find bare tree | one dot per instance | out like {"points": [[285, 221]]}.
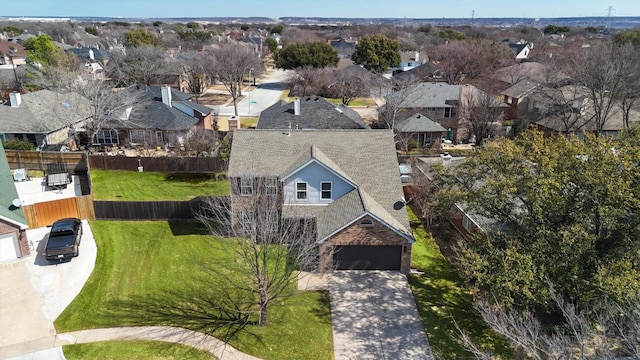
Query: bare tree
{"points": [[346, 86], [400, 93], [463, 61], [566, 105], [609, 332], [306, 81], [268, 246], [630, 92], [136, 65], [480, 111], [602, 69], [201, 141], [192, 65], [229, 65]]}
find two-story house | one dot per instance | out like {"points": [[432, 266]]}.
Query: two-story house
{"points": [[347, 181], [438, 101]]}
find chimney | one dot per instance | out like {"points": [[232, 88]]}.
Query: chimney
{"points": [[417, 56], [15, 99], [234, 122], [446, 159], [296, 107], [91, 56], [166, 95]]}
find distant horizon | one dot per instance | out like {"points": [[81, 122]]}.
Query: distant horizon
{"points": [[339, 9], [304, 17]]}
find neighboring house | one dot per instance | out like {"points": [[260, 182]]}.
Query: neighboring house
{"points": [[515, 94], [343, 47], [13, 224], [164, 116], [467, 222], [427, 72], [347, 180], [410, 60], [310, 112], [520, 49], [82, 39], [94, 60], [439, 101], [43, 117], [418, 131], [582, 122], [12, 53]]}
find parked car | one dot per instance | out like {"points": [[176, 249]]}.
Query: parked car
{"points": [[64, 239]]}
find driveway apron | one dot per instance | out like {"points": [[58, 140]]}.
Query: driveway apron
{"points": [[374, 316]]}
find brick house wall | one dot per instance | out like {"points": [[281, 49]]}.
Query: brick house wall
{"points": [[356, 234], [23, 242], [456, 218]]}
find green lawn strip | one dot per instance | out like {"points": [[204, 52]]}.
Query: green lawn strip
{"points": [[139, 350], [152, 186], [145, 268], [358, 102], [443, 300], [248, 122]]}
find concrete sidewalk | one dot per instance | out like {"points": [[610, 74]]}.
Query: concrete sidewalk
{"points": [[48, 346]]}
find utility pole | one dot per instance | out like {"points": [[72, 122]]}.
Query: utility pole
{"points": [[473, 15]]}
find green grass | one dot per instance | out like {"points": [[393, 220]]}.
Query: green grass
{"points": [[248, 122], [356, 102], [443, 301], [145, 269], [150, 186], [139, 350]]}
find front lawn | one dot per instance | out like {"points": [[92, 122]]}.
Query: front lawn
{"points": [[152, 186], [443, 301], [139, 350], [357, 102], [147, 271]]}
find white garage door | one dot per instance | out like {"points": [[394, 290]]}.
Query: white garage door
{"points": [[8, 247]]}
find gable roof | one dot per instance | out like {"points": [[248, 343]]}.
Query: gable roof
{"points": [[11, 48], [521, 89], [365, 157], [43, 111], [8, 194], [429, 94], [315, 113], [152, 113], [419, 123]]}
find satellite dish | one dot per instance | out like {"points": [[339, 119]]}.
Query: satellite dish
{"points": [[398, 205], [17, 203]]}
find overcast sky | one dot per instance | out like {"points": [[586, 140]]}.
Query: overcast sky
{"points": [[321, 8]]}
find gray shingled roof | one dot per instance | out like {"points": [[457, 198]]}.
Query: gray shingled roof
{"points": [[42, 112], [315, 113], [152, 113], [418, 123], [427, 94], [521, 89], [365, 157], [8, 193]]}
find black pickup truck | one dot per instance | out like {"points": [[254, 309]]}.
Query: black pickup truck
{"points": [[64, 239]]}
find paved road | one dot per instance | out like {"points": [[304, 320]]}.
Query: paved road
{"points": [[266, 94], [374, 316]]}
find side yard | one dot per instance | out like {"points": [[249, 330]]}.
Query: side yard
{"points": [[443, 301]]}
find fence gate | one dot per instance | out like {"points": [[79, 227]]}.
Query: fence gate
{"points": [[46, 213]]}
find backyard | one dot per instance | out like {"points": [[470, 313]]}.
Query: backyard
{"points": [[152, 186], [152, 273]]}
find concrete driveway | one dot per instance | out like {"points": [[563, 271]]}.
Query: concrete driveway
{"points": [[35, 291], [374, 316], [267, 93]]}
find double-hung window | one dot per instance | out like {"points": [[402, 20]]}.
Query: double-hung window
{"points": [[246, 186], [449, 112], [325, 190], [301, 191], [271, 186]]}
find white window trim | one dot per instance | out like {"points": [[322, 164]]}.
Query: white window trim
{"points": [[330, 190], [305, 191], [271, 186], [109, 132], [467, 224], [246, 189]]}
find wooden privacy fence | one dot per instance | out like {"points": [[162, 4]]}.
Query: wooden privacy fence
{"points": [[46, 213], [76, 162], [159, 164], [149, 210]]}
